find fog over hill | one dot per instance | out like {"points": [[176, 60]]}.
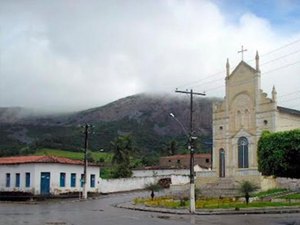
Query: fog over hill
{"points": [[145, 116]]}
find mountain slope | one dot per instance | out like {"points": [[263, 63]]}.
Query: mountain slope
{"points": [[144, 116]]}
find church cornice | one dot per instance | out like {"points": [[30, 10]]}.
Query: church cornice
{"points": [[288, 111]]}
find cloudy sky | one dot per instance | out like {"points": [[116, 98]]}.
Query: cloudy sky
{"points": [[76, 54]]}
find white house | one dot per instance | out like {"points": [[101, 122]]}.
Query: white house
{"points": [[44, 175]]}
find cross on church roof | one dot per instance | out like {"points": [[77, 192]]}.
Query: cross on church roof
{"points": [[242, 51]]}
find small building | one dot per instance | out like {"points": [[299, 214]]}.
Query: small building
{"points": [[183, 161], [46, 175]]}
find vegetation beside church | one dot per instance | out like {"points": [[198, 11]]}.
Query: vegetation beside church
{"points": [[279, 154]]}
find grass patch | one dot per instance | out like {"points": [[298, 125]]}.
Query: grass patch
{"points": [[164, 202], [225, 203], [270, 192], [97, 156], [292, 196], [250, 205]]}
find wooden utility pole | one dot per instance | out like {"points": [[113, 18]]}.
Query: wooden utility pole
{"points": [[191, 149], [84, 189]]}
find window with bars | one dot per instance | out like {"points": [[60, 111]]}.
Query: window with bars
{"points": [[62, 180], [73, 179], [243, 153], [27, 179]]}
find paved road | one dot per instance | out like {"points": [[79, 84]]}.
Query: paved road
{"points": [[101, 211]]}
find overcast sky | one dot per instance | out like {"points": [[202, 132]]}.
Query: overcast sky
{"points": [[72, 55]]}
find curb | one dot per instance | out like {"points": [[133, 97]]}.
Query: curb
{"points": [[269, 210]]}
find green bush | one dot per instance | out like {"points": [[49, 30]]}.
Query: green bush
{"points": [[279, 154]]}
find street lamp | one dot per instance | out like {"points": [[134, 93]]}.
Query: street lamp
{"points": [[192, 175]]}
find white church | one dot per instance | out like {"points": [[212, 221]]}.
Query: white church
{"points": [[240, 119]]}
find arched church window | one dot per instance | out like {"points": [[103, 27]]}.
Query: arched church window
{"points": [[243, 158], [221, 162]]}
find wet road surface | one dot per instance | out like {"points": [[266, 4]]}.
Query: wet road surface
{"points": [[101, 211]]}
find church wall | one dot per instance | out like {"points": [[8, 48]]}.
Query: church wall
{"points": [[245, 112], [199, 182], [266, 121], [287, 122]]}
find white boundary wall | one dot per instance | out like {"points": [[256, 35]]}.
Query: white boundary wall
{"points": [[155, 172], [136, 183]]}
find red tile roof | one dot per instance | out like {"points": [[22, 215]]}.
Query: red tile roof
{"points": [[38, 159], [204, 155]]}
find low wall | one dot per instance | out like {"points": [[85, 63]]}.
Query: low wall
{"points": [[179, 180], [280, 182], [206, 173], [136, 183], [289, 183], [161, 172]]}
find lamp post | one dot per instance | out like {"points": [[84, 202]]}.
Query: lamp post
{"points": [[191, 150]]}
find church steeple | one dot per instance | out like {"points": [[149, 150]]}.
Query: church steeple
{"points": [[274, 94], [257, 61], [227, 68]]}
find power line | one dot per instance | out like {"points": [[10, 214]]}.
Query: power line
{"points": [[284, 46], [287, 94], [246, 81], [265, 54], [273, 60], [285, 66], [292, 99], [198, 81]]}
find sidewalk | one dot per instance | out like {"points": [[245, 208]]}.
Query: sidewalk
{"points": [[267, 210]]}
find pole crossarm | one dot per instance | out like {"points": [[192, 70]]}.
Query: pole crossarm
{"points": [[189, 92]]}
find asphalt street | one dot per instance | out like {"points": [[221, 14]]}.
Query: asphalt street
{"points": [[101, 211]]}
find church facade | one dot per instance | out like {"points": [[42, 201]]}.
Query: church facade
{"points": [[240, 119]]}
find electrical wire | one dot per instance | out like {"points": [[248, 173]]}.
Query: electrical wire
{"points": [[265, 54]]}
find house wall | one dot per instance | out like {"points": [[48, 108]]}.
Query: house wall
{"points": [[181, 162], [35, 170]]}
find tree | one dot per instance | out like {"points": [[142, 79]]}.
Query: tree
{"points": [[153, 187], [122, 149], [279, 154], [89, 157], [246, 188], [173, 147], [169, 148]]}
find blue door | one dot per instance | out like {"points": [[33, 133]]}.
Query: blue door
{"points": [[45, 183]]}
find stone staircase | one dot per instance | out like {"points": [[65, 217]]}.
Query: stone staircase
{"points": [[224, 187]]}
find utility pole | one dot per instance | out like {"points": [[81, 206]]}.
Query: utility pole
{"points": [[84, 189], [191, 149]]}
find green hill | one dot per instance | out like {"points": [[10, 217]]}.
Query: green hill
{"points": [[145, 117]]}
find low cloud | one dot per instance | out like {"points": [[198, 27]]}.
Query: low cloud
{"points": [[69, 55]]}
